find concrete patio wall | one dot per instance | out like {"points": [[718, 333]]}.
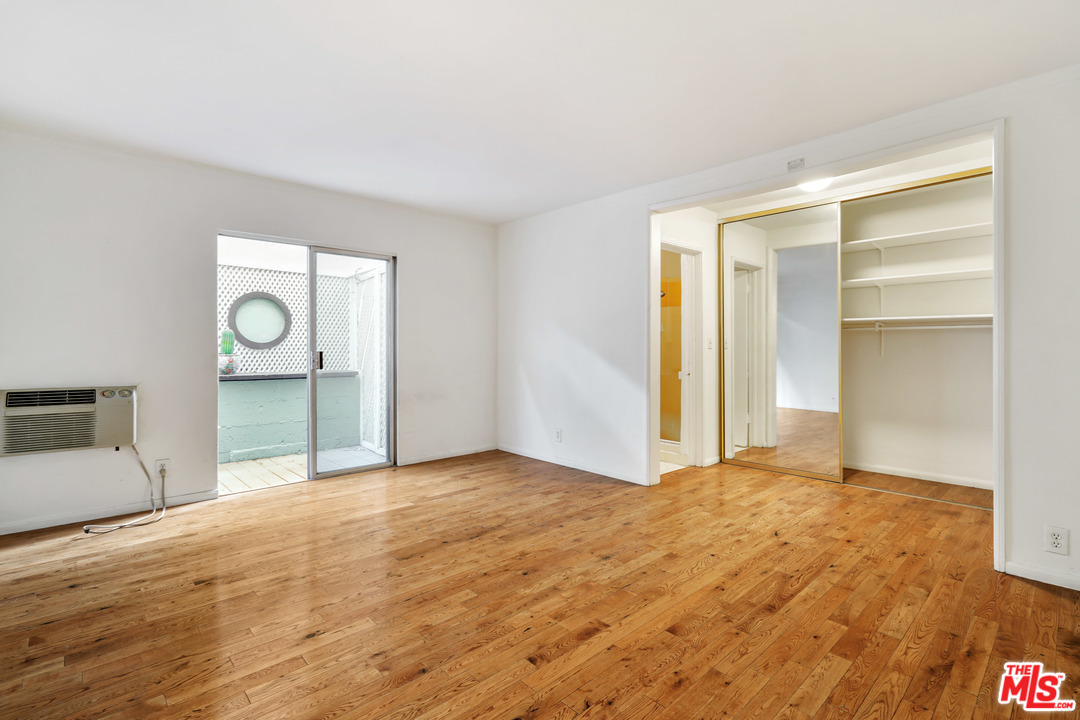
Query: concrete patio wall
{"points": [[267, 418]]}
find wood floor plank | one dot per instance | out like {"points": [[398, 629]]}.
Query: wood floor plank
{"points": [[496, 586], [811, 695]]}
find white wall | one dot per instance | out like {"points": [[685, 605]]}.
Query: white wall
{"points": [[575, 320], [107, 275], [572, 341], [807, 337], [923, 408]]}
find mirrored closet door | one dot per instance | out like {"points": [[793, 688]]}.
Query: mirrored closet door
{"points": [[781, 332]]}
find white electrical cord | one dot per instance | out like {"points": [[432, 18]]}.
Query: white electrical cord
{"points": [[102, 529]]}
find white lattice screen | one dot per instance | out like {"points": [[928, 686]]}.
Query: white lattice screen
{"points": [[337, 298]]}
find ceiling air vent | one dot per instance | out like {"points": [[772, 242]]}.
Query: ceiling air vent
{"points": [[52, 419]]}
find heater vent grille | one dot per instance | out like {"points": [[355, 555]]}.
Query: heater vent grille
{"points": [[45, 433], [47, 398]]}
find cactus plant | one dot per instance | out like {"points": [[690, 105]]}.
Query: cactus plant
{"points": [[227, 342]]}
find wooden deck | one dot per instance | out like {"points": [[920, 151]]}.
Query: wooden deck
{"points": [[257, 474], [497, 587], [285, 469]]}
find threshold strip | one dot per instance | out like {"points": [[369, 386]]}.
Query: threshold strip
{"points": [[918, 497]]}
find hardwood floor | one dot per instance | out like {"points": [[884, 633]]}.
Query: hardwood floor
{"points": [[495, 586], [805, 440], [808, 440], [977, 497]]}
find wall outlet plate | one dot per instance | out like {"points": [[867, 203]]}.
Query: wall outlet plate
{"points": [[162, 463], [1056, 540], [558, 434]]}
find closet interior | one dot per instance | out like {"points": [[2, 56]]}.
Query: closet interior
{"points": [[858, 332], [917, 293]]}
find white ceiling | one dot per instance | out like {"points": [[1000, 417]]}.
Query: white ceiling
{"points": [[499, 109]]}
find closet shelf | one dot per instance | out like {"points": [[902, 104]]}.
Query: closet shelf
{"points": [[918, 238], [918, 321], [944, 276]]}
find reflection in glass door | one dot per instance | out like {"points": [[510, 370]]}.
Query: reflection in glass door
{"points": [[351, 377]]}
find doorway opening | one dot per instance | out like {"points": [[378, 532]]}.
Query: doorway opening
{"points": [[305, 362], [680, 357]]}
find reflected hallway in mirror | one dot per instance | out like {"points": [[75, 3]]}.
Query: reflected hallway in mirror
{"points": [[781, 377]]}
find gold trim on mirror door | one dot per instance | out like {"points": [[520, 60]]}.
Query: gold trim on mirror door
{"points": [[785, 470], [839, 342], [722, 343]]}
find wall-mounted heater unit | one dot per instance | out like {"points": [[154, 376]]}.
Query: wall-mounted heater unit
{"points": [[53, 419]]}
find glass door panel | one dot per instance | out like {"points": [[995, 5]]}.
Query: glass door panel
{"points": [[351, 379]]}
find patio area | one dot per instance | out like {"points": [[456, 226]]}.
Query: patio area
{"points": [[247, 475]]}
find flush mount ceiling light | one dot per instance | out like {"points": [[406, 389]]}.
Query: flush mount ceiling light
{"points": [[815, 185]]}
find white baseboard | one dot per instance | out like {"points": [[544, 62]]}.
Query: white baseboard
{"points": [[712, 461], [672, 452], [577, 466], [84, 516], [918, 475], [414, 459], [1041, 574]]}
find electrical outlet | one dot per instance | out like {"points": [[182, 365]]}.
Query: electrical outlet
{"points": [[1056, 540], [159, 465], [558, 434]]}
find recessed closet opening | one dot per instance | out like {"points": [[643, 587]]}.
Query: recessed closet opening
{"points": [[856, 324]]}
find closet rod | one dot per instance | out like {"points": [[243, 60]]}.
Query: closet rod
{"points": [[921, 327]]}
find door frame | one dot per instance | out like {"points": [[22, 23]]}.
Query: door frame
{"points": [[391, 344], [760, 385], [689, 450]]}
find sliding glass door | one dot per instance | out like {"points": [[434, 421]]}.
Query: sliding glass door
{"points": [[351, 379]]}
